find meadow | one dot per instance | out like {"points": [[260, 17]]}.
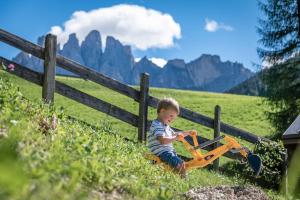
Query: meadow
{"points": [[75, 161]]}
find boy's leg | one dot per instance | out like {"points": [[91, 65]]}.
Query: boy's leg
{"points": [[181, 170], [174, 161]]}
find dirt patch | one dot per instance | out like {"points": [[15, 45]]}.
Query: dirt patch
{"points": [[226, 193], [113, 195]]}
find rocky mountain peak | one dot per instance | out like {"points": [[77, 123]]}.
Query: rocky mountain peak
{"points": [[127, 49], [207, 72], [91, 50], [179, 63], [72, 42], [209, 58], [117, 60], [144, 61], [71, 49], [94, 38], [111, 43]]}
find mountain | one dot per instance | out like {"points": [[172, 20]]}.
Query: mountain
{"points": [[117, 60], [145, 65], [207, 72], [211, 74], [253, 86], [174, 75], [91, 50], [29, 61]]}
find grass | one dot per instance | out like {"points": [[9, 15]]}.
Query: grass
{"points": [[74, 161], [240, 111]]}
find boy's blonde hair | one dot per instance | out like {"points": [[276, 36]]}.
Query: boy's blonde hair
{"points": [[168, 103]]}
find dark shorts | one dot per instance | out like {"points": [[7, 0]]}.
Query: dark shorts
{"points": [[171, 158]]}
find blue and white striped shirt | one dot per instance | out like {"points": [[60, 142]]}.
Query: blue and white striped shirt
{"points": [[157, 128]]}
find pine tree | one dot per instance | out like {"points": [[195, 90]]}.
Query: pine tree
{"points": [[279, 30], [280, 45]]}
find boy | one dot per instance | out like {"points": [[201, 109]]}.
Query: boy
{"points": [[161, 136]]}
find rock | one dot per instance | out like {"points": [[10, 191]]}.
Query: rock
{"points": [[226, 193], [174, 75], [211, 74], [145, 65], [117, 60], [71, 49], [91, 50]]}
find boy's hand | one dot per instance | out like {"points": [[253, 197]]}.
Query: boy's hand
{"points": [[185, 133]]}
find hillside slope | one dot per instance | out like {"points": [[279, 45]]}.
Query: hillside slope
{"points": [[240, 111], [42, 151]]}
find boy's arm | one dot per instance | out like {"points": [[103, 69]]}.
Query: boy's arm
{"points": [[166, 140]]}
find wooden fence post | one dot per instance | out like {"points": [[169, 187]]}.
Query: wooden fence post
{"points": [[143, 107], [49, 69], [217, 127], [285, 180]]}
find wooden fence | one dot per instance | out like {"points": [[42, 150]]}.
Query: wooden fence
{"points": [[50, 85]]}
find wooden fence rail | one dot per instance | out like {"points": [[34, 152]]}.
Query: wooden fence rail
{"points": [[74, 94], [47, 81]]}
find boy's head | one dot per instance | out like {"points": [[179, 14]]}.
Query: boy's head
{"points": [[167, 110]]}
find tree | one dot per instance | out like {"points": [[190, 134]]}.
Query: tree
{"points": [[279, 46]]}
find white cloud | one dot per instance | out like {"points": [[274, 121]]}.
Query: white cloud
{"points": [[137, 59], [131, 24], [158, 61], [212, 26]]}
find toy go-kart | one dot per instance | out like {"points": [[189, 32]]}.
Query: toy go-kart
{"points": [[191, 143]]}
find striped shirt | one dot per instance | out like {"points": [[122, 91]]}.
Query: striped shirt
{"points": [[157, 128]]}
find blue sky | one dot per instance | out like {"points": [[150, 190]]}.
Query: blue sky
{"points": [[232, 25]]}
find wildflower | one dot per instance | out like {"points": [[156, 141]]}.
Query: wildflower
{"points": [[11, 67]]}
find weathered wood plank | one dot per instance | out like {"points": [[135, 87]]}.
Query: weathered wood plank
{"points": [[23, 72], [22, 44], [49, 69], [97, 77], [97, 104], [236, 132], [217, 127], [74, 94], [187, 114], [143, 107]]}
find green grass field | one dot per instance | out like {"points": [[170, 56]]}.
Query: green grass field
{"points": [[120, 163], [244, 112]]}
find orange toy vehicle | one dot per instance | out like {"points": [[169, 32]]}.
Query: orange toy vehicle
{"points": [[201, 160]]}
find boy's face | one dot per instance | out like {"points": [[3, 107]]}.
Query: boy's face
{"points": [[167, 115]]}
